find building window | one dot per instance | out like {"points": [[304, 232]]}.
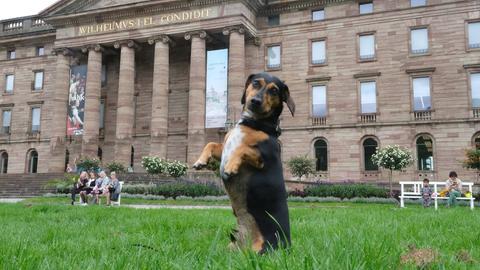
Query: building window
{"points": [[35, 120], [419, 41], [273, 20], [474, 35], [100, 153], [132, 157], [104, 75], [40, 51], [11, 54], [38, 80], [319, 101], [274, 57], [4, 162], [101, 121], [421, 94], [368, 97], [475, 86], [6, 121], [321, 155], [367, 47], [318, 15], [369, 148], [32, 161], [476, 141], [418, 3], [318, 52], [67, 161], [366, 7], [9, 83], [425, 153]]}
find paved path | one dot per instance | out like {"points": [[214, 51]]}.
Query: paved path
{"points": [[158, 206], [10, 200]]}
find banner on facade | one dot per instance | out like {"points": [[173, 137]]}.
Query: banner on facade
{"points": [[216, 92], [76, 100]]}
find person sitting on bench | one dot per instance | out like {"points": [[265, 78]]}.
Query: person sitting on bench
{"points": [[80, 185], [454, 187], [114, 188]]}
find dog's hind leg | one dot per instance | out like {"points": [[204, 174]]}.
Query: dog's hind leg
{"points": [[211, 150]]}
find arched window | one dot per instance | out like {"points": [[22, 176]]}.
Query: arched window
{"points": [[476, 141], [132, 156], [425, 153], [100, 153], [4, 162], [32, 161], [321, 155], [369, 148]]}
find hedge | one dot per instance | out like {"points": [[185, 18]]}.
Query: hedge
{"points": [[343, 191], [174, 190]]}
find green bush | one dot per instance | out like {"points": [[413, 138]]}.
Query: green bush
{"points": [[300, 166], [214, 166], [345, 191], [62, 185], [156, 165], [174, 190], [88, 164], [116, 167]]}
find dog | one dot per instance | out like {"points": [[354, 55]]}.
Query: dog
{"points": [[251, 167]]}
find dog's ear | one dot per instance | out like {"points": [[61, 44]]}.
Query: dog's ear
{"points": [[247, 83], [289, 100]]}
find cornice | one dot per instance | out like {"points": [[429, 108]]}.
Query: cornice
{"points": [[280, 7], [420, 70], [367, 74]]}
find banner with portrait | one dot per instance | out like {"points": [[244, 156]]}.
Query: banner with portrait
{"points": [[76, 100], [216, 93]]}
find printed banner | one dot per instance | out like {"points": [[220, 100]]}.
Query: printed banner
{"points": [[76, 100], [216, 92]]}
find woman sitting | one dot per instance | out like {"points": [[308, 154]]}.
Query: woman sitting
{"points": [[114, 188]]}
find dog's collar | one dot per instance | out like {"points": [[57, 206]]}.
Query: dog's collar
{"points": [[272, 129]]}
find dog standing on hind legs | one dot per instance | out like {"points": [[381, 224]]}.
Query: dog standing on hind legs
{"points": [[251, 166]]}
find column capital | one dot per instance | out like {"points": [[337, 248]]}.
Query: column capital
{"points": [[95, 47], [129, 43], [228, 30], [62, 51], [201, 34], [161, 38]]}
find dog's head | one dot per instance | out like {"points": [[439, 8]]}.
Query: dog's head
{"points": [[264, 96]]}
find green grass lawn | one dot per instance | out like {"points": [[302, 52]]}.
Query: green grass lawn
{"points": [[329, 236]]}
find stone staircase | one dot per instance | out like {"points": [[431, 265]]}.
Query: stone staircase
{"points": [[25, 185]]}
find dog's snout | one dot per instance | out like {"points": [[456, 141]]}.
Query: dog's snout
{"points": [[256, 101]]}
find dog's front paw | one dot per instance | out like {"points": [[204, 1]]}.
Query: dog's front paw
{"points": [[199, 165]]}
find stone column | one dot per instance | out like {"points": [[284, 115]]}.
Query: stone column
{"points": [[236, 71], [159, 120], [125, 107], [59, 102], [196, 95], [92, 101]]}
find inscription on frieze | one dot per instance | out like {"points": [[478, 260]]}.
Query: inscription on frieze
{"points": [[143, 22]]}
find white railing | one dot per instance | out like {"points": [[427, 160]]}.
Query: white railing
{"points": [[368, 118], [319, 121], [414, 188], [422, 115]]}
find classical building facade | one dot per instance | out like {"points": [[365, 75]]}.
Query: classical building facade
{"points": [[124, 79]]}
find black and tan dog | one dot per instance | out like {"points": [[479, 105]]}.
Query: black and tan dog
{"points": [[251, 166]]}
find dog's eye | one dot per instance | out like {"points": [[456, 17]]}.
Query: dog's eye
{"points": [[273, 91], [256, 84]]}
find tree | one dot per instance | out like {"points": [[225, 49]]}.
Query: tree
{"points": [[300, 166], [472, 160], [392, 158]]}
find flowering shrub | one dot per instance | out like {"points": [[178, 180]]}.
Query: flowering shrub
{"points": [[392, 157], [88, 164], [116, 167], [176, 168], [156, 165]]}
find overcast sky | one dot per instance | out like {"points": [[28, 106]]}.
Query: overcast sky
{"points": [[20, 8]]}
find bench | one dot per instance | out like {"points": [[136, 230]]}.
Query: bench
{"points": [[411, 190], [112, 202]]}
